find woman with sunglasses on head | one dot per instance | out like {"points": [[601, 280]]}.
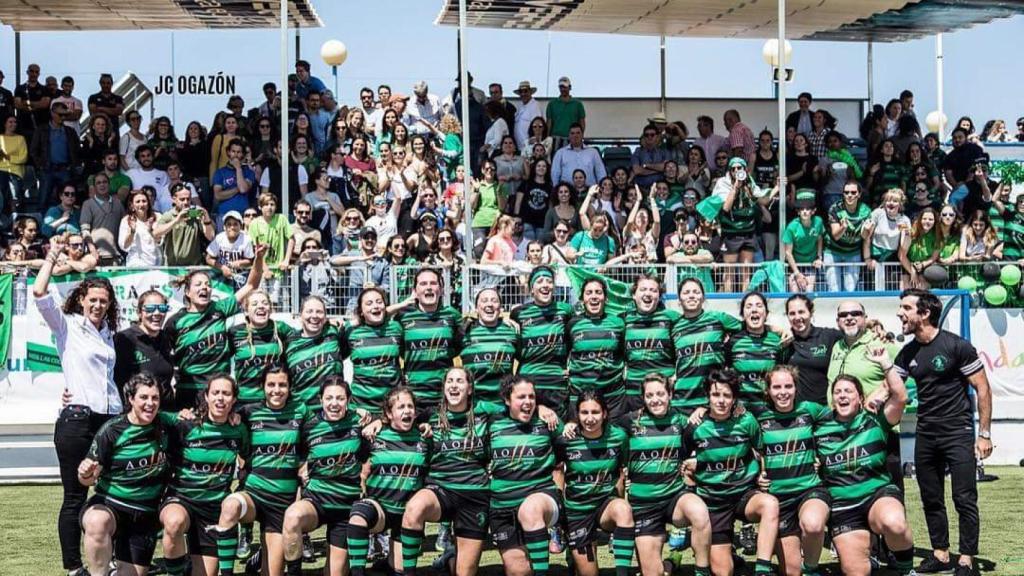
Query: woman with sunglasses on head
{"points": [[327, 206], [851, 446], [950, 228], [271, 474], [198, 332], [333, 453], [730, 473], [346, 233], [204, 451], [83, 330], [144, 347], [448, 254], [128, 465]]}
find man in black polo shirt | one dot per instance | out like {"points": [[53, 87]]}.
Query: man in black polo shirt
{"points": [[945, 366]]}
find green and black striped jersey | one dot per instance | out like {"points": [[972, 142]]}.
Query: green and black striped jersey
{"points": [[488, 353], [655, 453], [752, 356], [252, 350], [334, 453], [460, 457], [522, 460], [649, 345], [204, 454], [726, 464], [789, 453], [273, 464], [310, 360], [398, 466], [199, 342], [431, 341], [592, 468], [699, 347], [596, 354], [742, 219], [543, 348], [376, 356], [852, 456], [134, 461]]}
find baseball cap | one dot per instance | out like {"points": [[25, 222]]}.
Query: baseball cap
{"points": [[233, 214], [564, 81], [805, 198], [367, 231], [420, 87]]}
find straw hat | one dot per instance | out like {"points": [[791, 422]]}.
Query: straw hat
{"points": [[525, 86]]}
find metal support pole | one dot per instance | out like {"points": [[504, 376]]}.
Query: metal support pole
{"points": [[781, 97], [664, 92], [174, 98], [871, 74], [17, 59], [298, 42], [286, 200], [938, 86], [467, 190]]}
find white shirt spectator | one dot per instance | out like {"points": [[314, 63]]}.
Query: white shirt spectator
{"points": [[525, 114], [385, 226], [128, 146], [225, 250], [569, 159], [159, 180], [497, 131], [86, 357], [144, 251], [429, 110]]}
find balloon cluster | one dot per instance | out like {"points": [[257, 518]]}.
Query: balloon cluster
{"points": [[1000, 281]]}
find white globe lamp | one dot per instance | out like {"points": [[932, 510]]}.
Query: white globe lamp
{"points": [[935, 121], [770, 52], [334, 53]]}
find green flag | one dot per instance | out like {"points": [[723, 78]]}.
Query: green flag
{"points": [[619, 294], [6, 298]]}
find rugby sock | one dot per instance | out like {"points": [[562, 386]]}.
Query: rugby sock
{"points": [[537, 550], [227, 542], [622, 548], [358, 546], [904, 560], [412, 541], [809, 570], [701, 571], [762, 567], [293, 567], [176, 566]]}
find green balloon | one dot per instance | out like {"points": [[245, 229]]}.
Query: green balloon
{"points": [[995, 295], [1010, 275], [967, 283]]}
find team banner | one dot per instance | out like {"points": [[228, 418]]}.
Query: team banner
{"points": [[6, 295], [40, 350]]}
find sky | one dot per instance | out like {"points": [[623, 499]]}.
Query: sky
{"points": [[396, 42]]}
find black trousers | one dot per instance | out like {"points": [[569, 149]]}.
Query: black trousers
{"points": [[72, 435], [932, 455]]}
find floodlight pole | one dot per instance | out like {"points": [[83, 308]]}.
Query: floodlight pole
{"points": [[467, 187], [938, 85], [285, 152], [781, 95], [871, 74], [664, 97], [17, 58]]}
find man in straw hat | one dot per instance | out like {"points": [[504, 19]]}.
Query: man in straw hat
{"points": [[528, 110]]}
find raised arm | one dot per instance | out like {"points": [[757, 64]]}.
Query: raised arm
{"points": [[255, 273]]}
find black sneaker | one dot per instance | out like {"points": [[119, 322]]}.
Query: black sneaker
{"points": [[964, 570], [932, 565], [308, 555]]}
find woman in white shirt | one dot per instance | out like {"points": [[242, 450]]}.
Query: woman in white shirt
{"points": [[884, 230], [131, 140], [83, 329], [135, 235], [497, 131]]}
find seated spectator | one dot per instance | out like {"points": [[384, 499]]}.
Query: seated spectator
{"points": [[327, 206], [13, 157], [885, 229], [100, 221], [346, 234], [979, 242], [933, 148], [118, 182], [77, 255], [908, 131], [175, 176], [233, 183], [578, 156], [949, 230], [98, 140], [592, 244], [365, 266], [395, 257], [960, 165], [687, 250], [920, 249], [995, 131], [301, 229], [135, 233], [64, 217], [182, 229], [26, 233], [803, 244], [231, 251], [648, 161], [538, 135]]}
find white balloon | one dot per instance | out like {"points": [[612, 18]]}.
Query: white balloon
{"points": [[770, 52], [334, 53], [935, 120]]}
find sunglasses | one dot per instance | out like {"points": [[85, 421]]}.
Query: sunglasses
{"points": [[561, 231], [298, 213], [849, 314], [948, 215], [72, 193], [352, 219], [850, 192], [151, 308], [249, 215], [76, 245], [444, 239], [689, 243]]}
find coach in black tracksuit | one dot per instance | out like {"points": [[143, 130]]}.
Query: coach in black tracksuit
{"points": [[945, 366]]}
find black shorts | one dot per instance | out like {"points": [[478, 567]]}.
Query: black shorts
{"points": [[582, 530], [336, 520], [134, 531], [855, 517], [269, 513], [200, 542], [724, 516], [789, 509], [737, 244], [556, 400], [466, 511], [505, 528], [651, 520]]}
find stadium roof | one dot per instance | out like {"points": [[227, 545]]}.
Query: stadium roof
{"points": [[851, 20], [61, 15]]}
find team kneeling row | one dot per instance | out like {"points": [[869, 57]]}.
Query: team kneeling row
{"points": [[505, 469]]}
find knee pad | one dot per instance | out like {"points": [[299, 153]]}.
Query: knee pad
{"points": [[367, 511], [241, 503]]}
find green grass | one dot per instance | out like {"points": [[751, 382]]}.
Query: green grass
{"points": [[28, 536]]}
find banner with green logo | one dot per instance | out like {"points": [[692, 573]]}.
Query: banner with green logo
{"points": [[6, 296]]}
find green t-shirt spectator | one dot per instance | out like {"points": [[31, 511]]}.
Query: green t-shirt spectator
{"points": [[592, 251], [486, 212], [275, 234], [804, 239], [851, 241], [564, 113], [117, 182]]}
